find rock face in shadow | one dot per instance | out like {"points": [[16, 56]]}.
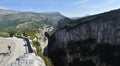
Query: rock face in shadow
{"points": [[91, 41]]}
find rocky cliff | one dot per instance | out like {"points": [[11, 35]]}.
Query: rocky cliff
{"points": [[28, 60], [89, 41], [41, 37]]}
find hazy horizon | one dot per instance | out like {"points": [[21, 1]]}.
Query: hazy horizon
{"points": [[69, 8]]}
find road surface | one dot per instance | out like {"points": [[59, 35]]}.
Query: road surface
{"points": [[17, 47]]}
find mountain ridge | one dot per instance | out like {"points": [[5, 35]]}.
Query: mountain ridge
{"points": [[10, 19], [7, 11]]}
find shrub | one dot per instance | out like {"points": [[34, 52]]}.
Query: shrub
{"points": [[30, 33], [39, 53], [12, 32]]}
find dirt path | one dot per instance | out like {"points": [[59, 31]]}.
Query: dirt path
{"points": [[17, 48]]}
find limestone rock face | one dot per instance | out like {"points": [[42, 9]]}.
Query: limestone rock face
{"points": [[41, 37], [28, 60], [106, 32], [90, 41]]}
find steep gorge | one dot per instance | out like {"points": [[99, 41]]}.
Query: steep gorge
{"points": [[89, 41]]}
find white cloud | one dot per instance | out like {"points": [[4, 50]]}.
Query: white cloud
{"points": [[80, 2], [104, 4], [108, 2]]}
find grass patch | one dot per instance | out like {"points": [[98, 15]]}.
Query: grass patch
{"points": [[2, 34], [30, 33]]}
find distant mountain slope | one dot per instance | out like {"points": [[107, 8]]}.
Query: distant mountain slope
{"points": [[5, 12], [111, 15], [27, 20], [75, 18]]}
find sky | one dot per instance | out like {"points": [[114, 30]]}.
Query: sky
{"points": [[69, 8]]}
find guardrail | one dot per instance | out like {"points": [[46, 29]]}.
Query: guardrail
{"points": [[31, 49]]}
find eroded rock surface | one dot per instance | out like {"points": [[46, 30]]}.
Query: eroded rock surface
{"points": [[93, 41], [28, 60]]}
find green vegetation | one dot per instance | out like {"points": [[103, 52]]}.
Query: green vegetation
{"points": [[39, 52], [3, 34], [35, 43], [64, 22], [51, 32], [30, 33], [28, 20], [27, 23], [19, 32], [12, 32], [38, 47]]}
